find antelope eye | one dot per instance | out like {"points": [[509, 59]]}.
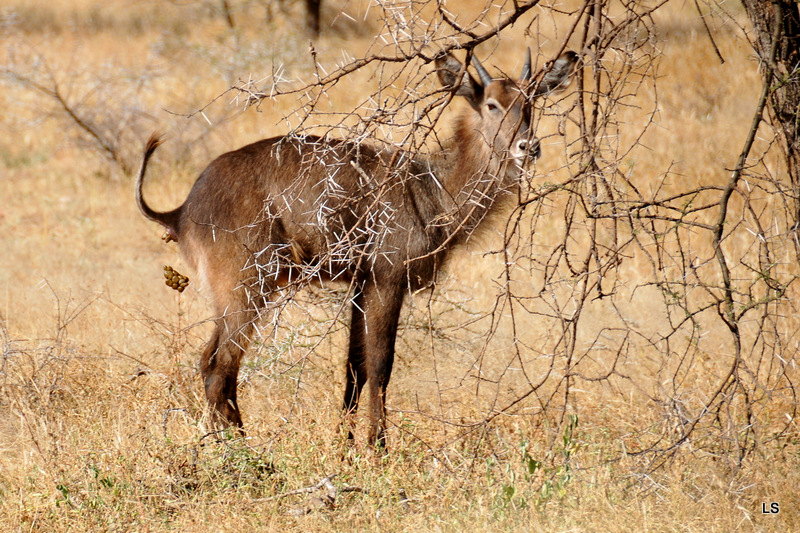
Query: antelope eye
{"points": [[492, 106]]}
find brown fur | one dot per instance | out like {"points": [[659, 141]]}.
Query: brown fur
{"points": [[285, 211]]}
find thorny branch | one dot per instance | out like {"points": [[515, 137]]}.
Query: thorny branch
{"points": [[662, 264], [53, 91]]}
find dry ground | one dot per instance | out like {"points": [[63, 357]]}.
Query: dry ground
{"points": [[101, 408]]}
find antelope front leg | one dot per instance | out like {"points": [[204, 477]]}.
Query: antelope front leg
{"points": [[356, 370], [382, 314]]}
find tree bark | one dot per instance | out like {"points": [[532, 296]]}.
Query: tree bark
{"points": [[312, 16], [781, 19]]}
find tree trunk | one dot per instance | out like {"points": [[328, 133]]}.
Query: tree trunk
{"points": [[784, 100], [312, 16]]}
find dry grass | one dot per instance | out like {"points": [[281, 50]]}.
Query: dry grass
{"points": [[101, 408]]}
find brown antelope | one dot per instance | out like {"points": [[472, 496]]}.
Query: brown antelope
{"points": [[287, 210]]}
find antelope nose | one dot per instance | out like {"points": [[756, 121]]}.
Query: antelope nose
{"points": [[531, 148]]}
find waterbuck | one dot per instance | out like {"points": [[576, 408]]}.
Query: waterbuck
{"points": [[286, 211]]}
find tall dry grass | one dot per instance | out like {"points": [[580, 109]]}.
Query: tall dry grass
{"points": [[101, 407]]}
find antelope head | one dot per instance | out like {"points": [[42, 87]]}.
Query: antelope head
{"points": [[503, 107]]}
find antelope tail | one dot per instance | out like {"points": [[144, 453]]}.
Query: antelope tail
{"points": [[169, 219]]}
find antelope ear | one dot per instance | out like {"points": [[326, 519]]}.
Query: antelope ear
{"points": [[558, 77], [448, 68]]}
